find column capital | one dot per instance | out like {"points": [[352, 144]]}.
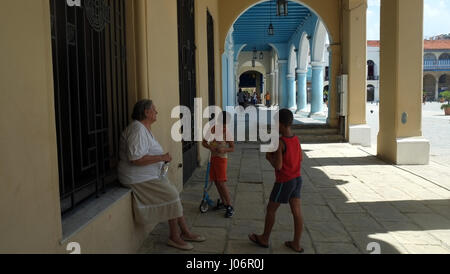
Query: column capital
{"points": [[301, 71], [282, 62], [318, 64], [290, 76]]}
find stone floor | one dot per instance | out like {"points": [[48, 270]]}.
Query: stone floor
{"points": [[350, 199]]}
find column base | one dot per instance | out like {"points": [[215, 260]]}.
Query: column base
{"points": [[316, 114], [413, 151], [360, 135], [301, 111]]}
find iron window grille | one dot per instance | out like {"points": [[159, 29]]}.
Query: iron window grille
{"points": [[91, 101]]}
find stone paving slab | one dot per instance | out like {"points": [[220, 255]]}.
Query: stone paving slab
{"points": [[337, 248], [349, 199]]}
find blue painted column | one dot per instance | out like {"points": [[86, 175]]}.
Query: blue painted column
{"points": [[224, 80], [276, 79], [231, 75], [302, 83], [318, 70], [282, 87], [291, 102]]}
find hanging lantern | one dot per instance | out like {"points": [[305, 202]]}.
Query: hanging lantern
{"points": [[282, 7], [261, 56], [253, 63], [255, 54], [271, 30]]}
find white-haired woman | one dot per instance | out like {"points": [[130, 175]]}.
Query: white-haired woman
{"points": [[155, 199]]}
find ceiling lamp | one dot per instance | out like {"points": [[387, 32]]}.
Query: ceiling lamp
{"points": [[271, 30], [255, 54], [282, 7]]}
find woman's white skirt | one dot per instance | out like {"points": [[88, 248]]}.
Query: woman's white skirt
{"points": [[156, 201]]}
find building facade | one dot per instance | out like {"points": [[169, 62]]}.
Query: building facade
{"points": [[436, 69]]}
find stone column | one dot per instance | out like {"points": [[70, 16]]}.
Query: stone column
{"points": [[355, 66], [291, 91], [302, 103], [275, 88], [318, 70], [231, 76], [282, 90], [333, 96], [140, 10], [400, 139], [436, 91], [236, 82]]}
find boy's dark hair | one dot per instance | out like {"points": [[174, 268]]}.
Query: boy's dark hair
{"points": [[286, 117]]}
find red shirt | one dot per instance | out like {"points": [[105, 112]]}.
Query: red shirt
{"points": [[292, 160]]}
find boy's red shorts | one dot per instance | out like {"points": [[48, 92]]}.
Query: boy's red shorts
{"points": [[218, 170]]}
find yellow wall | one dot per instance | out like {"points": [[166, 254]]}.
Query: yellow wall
{"points": [[163, 75], [29, 195]]}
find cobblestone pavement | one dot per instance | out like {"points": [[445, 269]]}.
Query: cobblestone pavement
{"points": [[350, 199]]}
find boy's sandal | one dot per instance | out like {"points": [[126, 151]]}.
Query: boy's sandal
{"points": [[289, 244], [254, 239]]}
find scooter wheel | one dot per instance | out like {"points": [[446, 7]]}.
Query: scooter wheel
{"points": [[204, 207]]}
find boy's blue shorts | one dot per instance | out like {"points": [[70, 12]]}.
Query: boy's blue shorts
{"points": [[282, 193]]}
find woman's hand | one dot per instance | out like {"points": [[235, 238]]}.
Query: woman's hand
{"points": [[166, 158]]}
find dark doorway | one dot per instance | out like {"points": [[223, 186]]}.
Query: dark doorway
{"points": [[187, 75], [371, 70], [370, 93], [91, 106], [211, 63]]}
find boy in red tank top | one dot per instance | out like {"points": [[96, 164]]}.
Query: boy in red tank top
{"points": [[287, 189]]}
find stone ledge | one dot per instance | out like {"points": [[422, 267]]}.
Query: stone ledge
{"points": [[88, 211]]}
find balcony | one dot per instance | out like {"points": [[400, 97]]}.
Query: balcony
{"points": [[432, 65]]}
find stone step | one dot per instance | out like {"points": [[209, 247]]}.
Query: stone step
{"points": [[321, 139], [316, 131]]}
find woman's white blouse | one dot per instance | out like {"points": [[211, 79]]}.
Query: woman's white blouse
{"points": [[136, 142]]}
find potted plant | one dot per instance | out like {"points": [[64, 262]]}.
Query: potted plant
{"points": [[446, 107]]}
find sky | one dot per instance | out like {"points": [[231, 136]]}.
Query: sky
{"points": [[436, 18]]}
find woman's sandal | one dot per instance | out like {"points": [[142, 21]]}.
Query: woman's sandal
{"points": [[186, 247], [254, 239], [198, 239], [289, 245]]}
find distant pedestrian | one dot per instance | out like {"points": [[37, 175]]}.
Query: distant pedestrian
{"points": [[241, 98], [268, 99]]}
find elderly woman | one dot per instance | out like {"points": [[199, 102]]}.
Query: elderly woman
{"points": [[142, 159]]}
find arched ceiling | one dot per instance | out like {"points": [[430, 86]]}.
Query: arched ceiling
{"points": [[252, 27]]}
